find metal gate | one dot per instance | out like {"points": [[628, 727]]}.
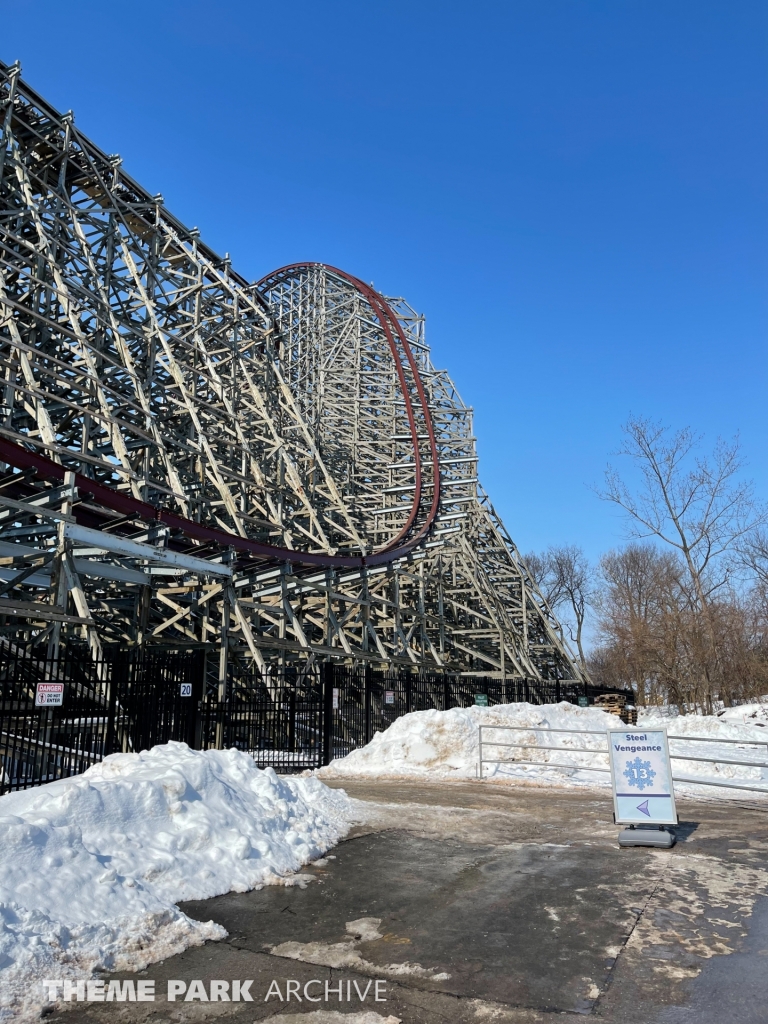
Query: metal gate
{"points": [[129, 700], [291, 719]]}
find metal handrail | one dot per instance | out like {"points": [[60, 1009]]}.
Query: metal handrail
{"points": [[601, 732], [548, 764], [591, 750]]}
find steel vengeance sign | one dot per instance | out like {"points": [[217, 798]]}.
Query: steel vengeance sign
{"points": [[642, 777]]}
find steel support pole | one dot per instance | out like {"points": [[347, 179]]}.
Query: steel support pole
{"points": [[367, 686], [328, 679]]}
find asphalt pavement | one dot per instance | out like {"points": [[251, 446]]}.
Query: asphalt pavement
{"points": [[474, 901]]}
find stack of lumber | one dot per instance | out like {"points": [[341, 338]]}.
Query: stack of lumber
{"points": [[616, 704]]}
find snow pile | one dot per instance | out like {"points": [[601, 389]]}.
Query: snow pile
{"points": [[91, 867], [747, 714], [445, 744], [752, 745]]}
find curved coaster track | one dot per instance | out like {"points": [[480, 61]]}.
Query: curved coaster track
{"points": [[274, 470]]}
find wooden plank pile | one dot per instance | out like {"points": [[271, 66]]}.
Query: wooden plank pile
{"points": [[616, 704]]}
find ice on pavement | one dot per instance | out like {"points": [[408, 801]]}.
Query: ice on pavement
{"points": [[445, 744], [91, 867]]}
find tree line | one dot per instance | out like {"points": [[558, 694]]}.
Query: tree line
{"points": [[679, 613]]}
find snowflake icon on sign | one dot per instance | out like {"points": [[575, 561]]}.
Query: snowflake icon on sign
{"points": [[639, 773]]}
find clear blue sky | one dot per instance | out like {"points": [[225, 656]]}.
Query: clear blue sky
{"points": [[573, 191]]}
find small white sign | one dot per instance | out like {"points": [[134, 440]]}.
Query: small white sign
{"points": [[389, 696], [185, 689], [642, 777], [49, 695], [335, 698]]}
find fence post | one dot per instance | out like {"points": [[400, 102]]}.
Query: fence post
{"points": [[109, 741], [367, 683], [408, 692], [197, 679], [328, 678], [446, 693], [557, 690], [292, 721]]}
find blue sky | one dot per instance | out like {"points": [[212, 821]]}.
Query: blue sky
{"points": [[573, 191]]}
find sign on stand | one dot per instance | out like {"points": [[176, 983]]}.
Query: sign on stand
{"points": [[49, 695], [642, 777]]}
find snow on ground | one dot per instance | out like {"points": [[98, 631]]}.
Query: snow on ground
{"points": [[91, 867], [444, 744], [747, 714]]}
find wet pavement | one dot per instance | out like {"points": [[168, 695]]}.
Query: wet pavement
{"points": [[473, 901]]}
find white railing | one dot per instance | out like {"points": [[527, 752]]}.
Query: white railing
{"points": [[690, 780]]}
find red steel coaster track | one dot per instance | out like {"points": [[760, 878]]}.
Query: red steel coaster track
{"points": [[405, 541]]}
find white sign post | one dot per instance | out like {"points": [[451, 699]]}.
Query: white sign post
{"points": [[643, 793]]}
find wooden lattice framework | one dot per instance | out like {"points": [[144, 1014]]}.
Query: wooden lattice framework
{"points": [[273, 470]]}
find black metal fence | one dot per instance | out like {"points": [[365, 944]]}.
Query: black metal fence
{"points": [[60, 716]]}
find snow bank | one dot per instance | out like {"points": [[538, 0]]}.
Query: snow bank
{"points": [[444, 744], [744, 724], [746, 714], [91, 867]]}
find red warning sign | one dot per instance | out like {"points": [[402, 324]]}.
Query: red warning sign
{"points": [[49, 695]]}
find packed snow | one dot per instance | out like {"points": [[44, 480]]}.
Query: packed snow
{"points": [[747, 714], [445, 744], [92, 867]]}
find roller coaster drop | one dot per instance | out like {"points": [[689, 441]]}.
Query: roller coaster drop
{"points": [[275, 471]]}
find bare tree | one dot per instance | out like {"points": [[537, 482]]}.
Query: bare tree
{"points": [[538, 568], [637, 604], [652, 639], [566, 580], [700, 507], [753, 553], [695, 504]]}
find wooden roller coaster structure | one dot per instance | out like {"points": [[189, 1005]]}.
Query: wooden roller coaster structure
{"points": [[274, 471]]}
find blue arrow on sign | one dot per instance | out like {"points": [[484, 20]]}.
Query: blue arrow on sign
{"points": [[644, 808]]}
